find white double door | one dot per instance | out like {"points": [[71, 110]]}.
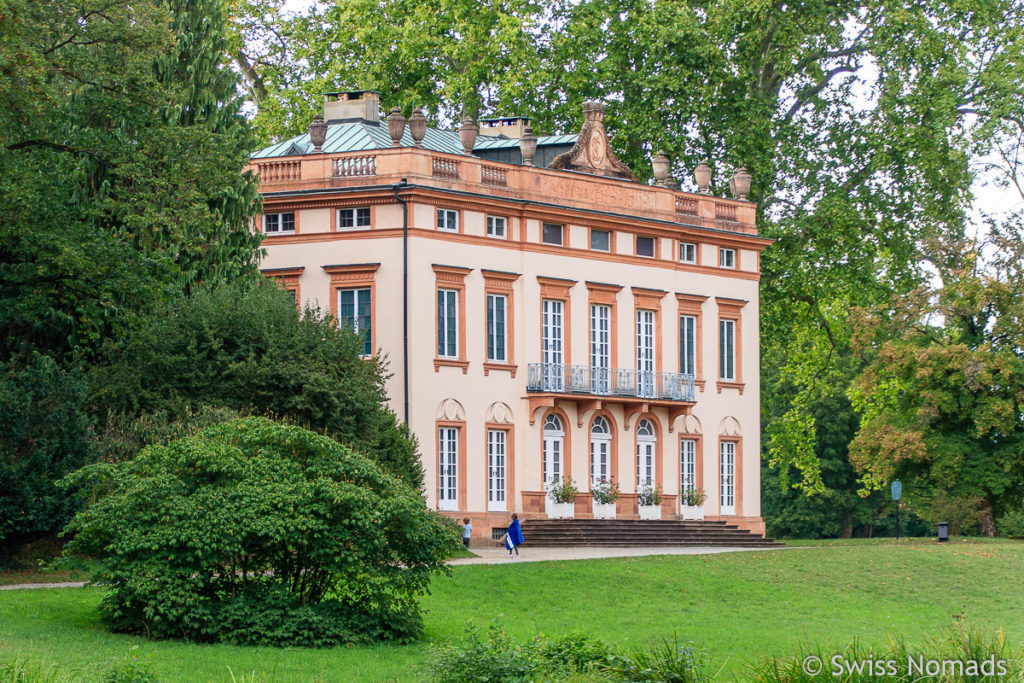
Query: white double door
{"points": [[496, 472], [727, 478], [554, 443], [644, 463]]}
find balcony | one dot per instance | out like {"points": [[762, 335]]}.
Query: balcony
{"points": [[594, 387]]}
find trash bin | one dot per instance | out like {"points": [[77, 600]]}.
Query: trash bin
{"points": [[943, 532]]}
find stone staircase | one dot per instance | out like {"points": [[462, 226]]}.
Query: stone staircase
{"points": [[634, 532]]}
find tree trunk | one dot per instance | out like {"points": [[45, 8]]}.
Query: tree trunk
{"points": [[869, 529], [847, 530], [988, 522]]}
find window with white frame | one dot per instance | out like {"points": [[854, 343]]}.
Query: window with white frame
{"points": [[447, 468], [600, 240], [354, 312], [448, 220], [351, 219], [727, 258], [600, 451], [497, 310], [644, 245], [496, 464], [447, 323], [687, 465], [688, 344], [551, 233], [279, 223], [600, 348], [496, 227], [687, 252], [727, 350]]}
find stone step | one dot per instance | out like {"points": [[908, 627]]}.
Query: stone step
{"points": [[630, 532]]}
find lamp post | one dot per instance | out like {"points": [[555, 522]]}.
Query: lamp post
{"points": [[897, 491]]}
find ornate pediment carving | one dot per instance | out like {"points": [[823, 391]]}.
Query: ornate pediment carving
{"points": [[592, 152]]}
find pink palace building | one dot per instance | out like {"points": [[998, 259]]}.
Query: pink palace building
{"points": [[545, 315]]}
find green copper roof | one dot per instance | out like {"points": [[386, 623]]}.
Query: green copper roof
{"points": [[359, 136]]}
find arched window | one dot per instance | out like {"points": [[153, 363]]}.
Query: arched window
{"points": [[600, 450], [645, 444], [553, 424]]}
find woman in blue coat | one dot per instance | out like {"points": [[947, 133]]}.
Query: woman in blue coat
{"points": [[514, 536]]}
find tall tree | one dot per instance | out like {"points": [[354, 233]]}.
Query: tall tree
{"points": [[858, 119], [122, 147], [943, 395]]}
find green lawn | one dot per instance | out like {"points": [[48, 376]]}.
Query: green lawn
{"points": [[737, 607]]}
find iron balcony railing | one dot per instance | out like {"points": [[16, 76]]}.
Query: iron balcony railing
{"points": [[586, 379]]}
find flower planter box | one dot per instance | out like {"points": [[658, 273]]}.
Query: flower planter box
{"points": [[650, 511], [693, 511], [604, 510], [563, 510]]}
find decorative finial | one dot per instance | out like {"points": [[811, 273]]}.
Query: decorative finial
{"points": [[660, 166], [467, 134], [702, 176], [528, 146], [318, 132], [396, 126], [417, 126]]}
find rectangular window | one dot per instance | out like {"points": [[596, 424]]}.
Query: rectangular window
{"points": [[447, 468], [687, 252], [727, 473], [727, 258], [447, 323], [644, 246], [645, 353], [349, 219], [279, 223], [688, 344], [496, 227], [600, 350], [551, 233], [497, 307], [354, 313], [551, 345], [496, 453], [727, 350], [687, 465], [448, 220], [600, 240]]}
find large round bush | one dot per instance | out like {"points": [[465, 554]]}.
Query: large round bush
{"points": [[253, 532]]}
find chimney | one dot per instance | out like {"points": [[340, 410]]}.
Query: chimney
{"points": [[355, 105], [508, 127]]}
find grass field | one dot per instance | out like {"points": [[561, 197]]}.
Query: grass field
{"points": [[737, 607]]}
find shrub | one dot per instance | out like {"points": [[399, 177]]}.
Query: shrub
{"points": [[499, 658], [131, 673], [257, 533], [244, 347], [44, 435], [605, 492], [1011, 524], [666, 662], [564, 491]]}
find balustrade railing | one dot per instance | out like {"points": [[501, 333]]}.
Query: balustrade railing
{"points": [[492, 175], [355, 167], [725, 212], [686, 206], [587, 379], [445, 168], [279, 171]]}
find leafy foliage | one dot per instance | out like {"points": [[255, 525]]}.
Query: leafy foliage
{"points": [[44, 435], [941, 398], [499, 658], [243, 347], [260, 534], [121, 151]]}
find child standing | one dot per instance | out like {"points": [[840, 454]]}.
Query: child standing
{"points": [[514, 536], [467, 531]]}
